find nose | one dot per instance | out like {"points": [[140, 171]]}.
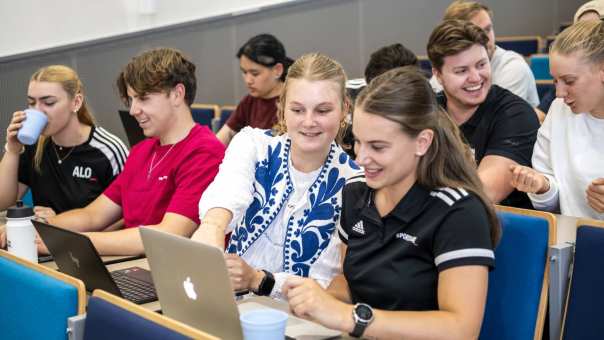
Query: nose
{"points": [[248, 79], [134, 108], [560, 90], [309, 119], [474, 75], [362, 158]]}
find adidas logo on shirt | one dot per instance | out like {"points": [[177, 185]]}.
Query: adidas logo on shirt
{"points": [[358, 227]]}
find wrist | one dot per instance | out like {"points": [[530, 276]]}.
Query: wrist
{"points": [[544, 187], [13, 152], [256, 280]]}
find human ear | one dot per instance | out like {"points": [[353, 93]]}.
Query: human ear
{"points": [[278, 71], [423, 142]]}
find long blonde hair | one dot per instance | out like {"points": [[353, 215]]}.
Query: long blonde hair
{"points": [[404, 96], [71, 83], [314, 67]]}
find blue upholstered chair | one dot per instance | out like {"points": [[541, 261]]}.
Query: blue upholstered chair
{"points": [[544, 87], [425, 65], [524, 45], [518, 286], [585, 299], [36, 300], [225, 113], [540, 66], [204, 114], [111, 317]]}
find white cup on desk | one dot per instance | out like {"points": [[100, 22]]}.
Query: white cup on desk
{"points": [[20, 232]]}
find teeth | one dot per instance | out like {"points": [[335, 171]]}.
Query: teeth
{"points": [[474, 88]]}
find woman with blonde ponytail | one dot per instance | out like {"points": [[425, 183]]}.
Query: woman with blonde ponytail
{"points": [[417, 229], [72, 162]]}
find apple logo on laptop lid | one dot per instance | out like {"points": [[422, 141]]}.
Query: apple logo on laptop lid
{"points": [[189, 289]]}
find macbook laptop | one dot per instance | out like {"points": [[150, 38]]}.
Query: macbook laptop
{"points": [[133, 130], [75, 255], [193, 287]]}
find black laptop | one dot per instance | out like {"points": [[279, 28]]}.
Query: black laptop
{"points": [[133, 130], [75, 255]]}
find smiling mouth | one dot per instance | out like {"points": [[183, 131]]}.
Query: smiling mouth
{"points": [[474, 88], [310, 134], [371, 173]]}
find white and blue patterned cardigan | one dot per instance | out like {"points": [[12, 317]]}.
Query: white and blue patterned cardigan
{"points": [[310, 229]]}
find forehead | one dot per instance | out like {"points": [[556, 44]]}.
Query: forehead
{"points": [[369, 126], [568, 64], [247, 64], [469, 56], [313, 91], [45, 88], [481, 19]]}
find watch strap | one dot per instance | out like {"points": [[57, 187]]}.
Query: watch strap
{"points": [[266, 285]]}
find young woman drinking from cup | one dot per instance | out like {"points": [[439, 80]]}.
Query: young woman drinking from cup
{"points": [[73, 160]]}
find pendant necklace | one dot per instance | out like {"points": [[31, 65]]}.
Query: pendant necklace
{"points": [[59, 159], [153, 166]]}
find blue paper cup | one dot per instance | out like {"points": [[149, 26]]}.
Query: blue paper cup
{"points": [[34, 123], [263, 324]]}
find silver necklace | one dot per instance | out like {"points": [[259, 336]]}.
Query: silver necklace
{"points": [[59, 159], [153, 166]]}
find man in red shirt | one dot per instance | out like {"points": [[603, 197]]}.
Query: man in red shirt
{"points": [[165, 174]]}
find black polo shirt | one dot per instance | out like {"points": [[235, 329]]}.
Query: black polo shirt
{"points": [[503, 125], [393, 262]]}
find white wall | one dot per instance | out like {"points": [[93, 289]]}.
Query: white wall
{"points": [[34, 25]]}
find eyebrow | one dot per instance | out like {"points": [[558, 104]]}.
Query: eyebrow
{"points": [[41, 98]]}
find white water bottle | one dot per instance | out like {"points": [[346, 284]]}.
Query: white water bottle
{"points": [[20, 232]]}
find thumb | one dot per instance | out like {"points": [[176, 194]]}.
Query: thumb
{"points": [[598, 181]]}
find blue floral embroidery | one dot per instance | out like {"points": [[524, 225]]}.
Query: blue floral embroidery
{"points": [[308, 230]]}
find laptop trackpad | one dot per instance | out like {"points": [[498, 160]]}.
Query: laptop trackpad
{"points": [[296, 327]]}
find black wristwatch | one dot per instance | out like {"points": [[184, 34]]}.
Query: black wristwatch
{"points": [[266, 285], [362, 314]]}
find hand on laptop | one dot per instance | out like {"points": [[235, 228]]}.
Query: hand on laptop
{"points": [[43, 212], [42, 250], [242, 275], [308, 300]]}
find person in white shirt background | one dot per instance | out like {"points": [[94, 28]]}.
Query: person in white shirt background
{"points": [[568, 163], [279, 192]]}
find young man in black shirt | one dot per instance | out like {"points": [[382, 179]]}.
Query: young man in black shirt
{"points": [[500, 127]]}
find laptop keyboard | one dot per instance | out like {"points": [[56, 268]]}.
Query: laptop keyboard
{"points": [[132, 289]]}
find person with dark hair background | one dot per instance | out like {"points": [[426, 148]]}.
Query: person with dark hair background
{"points": [[384, 59], [264, 63]]}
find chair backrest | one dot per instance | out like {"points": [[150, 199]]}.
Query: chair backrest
{"points": [[539, 64], [425, 65], [549, 40], [585, 300], [36, 300], [204, 114], [111, 317], [544, 86], [517, 295], [525, 45], [225, 113]]}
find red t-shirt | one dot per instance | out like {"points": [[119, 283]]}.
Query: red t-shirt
{"points": [[255, 112], [179, 175]]}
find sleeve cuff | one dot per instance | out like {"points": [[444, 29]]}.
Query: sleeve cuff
{"points": [[547, 199]]}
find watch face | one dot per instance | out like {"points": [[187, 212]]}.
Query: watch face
{"points": [[363, 312]]}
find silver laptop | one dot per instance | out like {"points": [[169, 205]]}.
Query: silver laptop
{"points": [[193, 287]]}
